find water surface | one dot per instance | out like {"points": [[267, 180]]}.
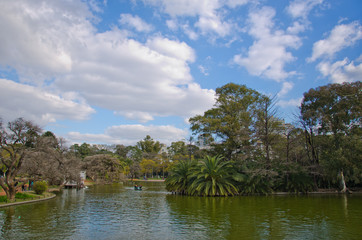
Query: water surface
{"points": [[120, 212]]}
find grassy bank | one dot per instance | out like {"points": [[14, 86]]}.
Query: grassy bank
{"points": [[22, 197]]}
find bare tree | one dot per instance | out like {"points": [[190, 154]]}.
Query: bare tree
{"points": [[52, 161]]}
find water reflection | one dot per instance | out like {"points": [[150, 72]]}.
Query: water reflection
{"points": [[119, 212]]}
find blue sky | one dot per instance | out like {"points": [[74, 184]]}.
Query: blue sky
{"points": [[112, 72]]}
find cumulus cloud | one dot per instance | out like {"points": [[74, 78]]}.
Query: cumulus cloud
{"points": [[342, 36], [209, 17], [135, 22], [173, 49], [287, 86], [56, 41], [268, 54], [42, 107], [301, 8], [341, 71], [38, 34], [131, 134]]}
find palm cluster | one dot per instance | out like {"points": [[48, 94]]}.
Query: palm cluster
{"points": [[211, 176]]}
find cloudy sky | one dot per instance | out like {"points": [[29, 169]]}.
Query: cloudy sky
{"points": [[112, 72]]}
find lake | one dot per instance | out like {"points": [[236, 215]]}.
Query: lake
{"points": [[119, 212]]}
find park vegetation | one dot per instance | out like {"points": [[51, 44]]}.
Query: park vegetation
{"points": [[239, 147]]}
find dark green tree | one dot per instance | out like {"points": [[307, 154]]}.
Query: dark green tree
{"points": [[231, 122], [333, 113]]}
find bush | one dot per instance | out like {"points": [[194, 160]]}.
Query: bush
{"points": [[40, 187], [3, 198]]}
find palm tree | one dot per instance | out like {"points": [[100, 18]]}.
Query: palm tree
{"points": [[213, 177], [178, 179]]}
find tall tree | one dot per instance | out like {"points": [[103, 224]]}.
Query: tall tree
{"points": [[17, 141], [231, 121], [334, 113], [148, 145], [268, 127]]}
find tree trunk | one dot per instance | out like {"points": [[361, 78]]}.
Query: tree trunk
{"points": [[343, 183], [11, 192]]}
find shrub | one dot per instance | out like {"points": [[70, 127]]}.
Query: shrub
{"points": [[40, 187], [3, 198]]}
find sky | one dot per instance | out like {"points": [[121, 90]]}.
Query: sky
{"points": [[112, 72]]}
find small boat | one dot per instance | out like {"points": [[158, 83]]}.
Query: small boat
{"points": [[137, 187]]}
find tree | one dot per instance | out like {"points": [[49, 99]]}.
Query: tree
{"points": [[17, 141], [231, 122], [268, 127], [178, 150], [103, 167], [333, 112], [148, 166], [83, 150], [149, 147], [134, 157], [52, 161], [178, 180], [213, 177]]}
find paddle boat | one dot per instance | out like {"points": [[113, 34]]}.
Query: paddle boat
{"points": [[137, 187]]}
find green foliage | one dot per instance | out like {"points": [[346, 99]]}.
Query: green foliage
{"points": [[178, 180], [3, 198], [231, 121], [257, 182], [299, 182], [148, 145], [333, 113], [212, 176], [40, 187], [23, 196]]}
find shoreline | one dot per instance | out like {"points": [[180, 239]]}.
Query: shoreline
{"points": [[27, 201], [141, 180]]}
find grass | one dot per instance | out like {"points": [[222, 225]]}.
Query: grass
{"points": [[23, 197]]}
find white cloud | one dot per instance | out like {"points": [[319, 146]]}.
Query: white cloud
{"points": [[296, 28], [55, 40], [42, 107], [213, 23], [290, 103], [174, 49], [268, 54], [341, 71], [236, 3], [287, 86], [208, 12], [135, 22], [189, 32], [203, 70], [172, 24], [131, 134], [301, 8], [342, 36], [38, 34], [187, 7]]}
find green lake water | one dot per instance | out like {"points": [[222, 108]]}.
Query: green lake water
{"points": [[120, 212]]}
